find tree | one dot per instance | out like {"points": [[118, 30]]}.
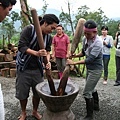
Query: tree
{"points": [[82, 13], [44, 8], [25, 14], [7, 25], [14, 16], [8, 28], [113, 27], [66, 19], [98, 16]]}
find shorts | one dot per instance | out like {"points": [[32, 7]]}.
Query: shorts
{"points": [[26, 80]]}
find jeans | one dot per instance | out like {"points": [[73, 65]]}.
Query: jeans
{"points": [[105, 65], [117, 59]]}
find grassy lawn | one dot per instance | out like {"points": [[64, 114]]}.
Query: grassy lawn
{"points": [[112, 66]]}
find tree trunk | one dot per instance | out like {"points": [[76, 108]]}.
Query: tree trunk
{"points": [[25, 13], [71, 23]]}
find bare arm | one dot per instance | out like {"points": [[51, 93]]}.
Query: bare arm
{"points": [[53, 51], [48, 56], [80, 54], [80, 62], [68, 51], [71, 62], [39, 53]]}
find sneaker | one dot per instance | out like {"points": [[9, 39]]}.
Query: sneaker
{"points": [[104, 82]]}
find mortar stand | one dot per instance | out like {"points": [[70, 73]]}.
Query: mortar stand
{"points": [[58, 107]]}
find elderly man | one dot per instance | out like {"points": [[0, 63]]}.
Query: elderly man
{"points": [[60, 49], [92, 49]]}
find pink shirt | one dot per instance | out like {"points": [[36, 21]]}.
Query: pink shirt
{"points": [[60, 45]]}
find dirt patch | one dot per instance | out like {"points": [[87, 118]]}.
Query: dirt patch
{"points": [[109, 101]]}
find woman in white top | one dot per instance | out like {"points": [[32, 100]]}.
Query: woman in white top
{"points": [[107, 45]]}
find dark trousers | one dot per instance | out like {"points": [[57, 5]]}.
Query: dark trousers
{"points": [[61, 63], [105, 64], [117, 59]]}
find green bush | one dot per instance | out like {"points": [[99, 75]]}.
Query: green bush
{"points": [[14, 40]]}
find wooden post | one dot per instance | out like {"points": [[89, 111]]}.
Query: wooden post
{"points": [[26, 18], [9, 57], [75, 42], [5, 72], [13, 72], [2, 57]]}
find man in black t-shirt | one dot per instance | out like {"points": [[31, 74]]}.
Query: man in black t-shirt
{"points": [[29, 62]]}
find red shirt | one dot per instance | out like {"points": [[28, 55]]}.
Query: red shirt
{"points": [[60, 45]]}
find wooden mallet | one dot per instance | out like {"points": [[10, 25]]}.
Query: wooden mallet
{"points": [[75, 42], [41, 45]]}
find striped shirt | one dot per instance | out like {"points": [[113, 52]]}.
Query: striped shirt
{"points": [[28, 39]]}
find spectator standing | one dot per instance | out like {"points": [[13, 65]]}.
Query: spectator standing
{"points": [[107, 45], [60, 49]]}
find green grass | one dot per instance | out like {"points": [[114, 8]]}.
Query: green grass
{"points": [[112, 66]]}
